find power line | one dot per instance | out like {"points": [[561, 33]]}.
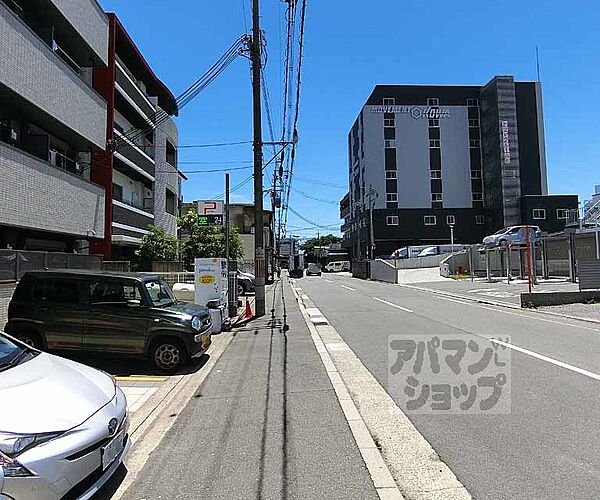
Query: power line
{"points": [[321, 183], [316, 224], [302, 193]]}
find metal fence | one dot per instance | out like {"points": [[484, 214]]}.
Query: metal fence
{"points": [[15, 263]]}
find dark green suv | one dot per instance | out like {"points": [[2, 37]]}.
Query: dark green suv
{"points": [[113, 313]]}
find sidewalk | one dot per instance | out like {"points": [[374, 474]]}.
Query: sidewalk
{"points": [[266, 423]]}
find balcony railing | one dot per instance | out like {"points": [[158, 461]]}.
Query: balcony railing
{"points": [[147, 205]]}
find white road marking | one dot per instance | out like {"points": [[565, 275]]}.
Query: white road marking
{"points": [[562, 364], [348, 288], [393, 305], [328, 281]]}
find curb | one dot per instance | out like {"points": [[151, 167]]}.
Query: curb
{"points": [[500, 304], [382, 478]]}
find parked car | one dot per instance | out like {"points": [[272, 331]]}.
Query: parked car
{"points": [[313, 269], [113, 313], [509, 235], [400, 253], [63, 425], [337, 266], [245, 282], [428, 252]]}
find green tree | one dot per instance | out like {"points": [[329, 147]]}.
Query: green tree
{"points": [[322, 241], [201, 241], [157, 245]]}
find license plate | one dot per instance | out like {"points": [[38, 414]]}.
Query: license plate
{"points": [[112, 450]]}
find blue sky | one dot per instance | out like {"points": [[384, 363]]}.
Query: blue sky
{"points": [[350, 47]]}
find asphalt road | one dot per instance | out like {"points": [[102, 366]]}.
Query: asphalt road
{"points": [[547, 446]]}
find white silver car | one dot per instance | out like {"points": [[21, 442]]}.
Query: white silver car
{"points": [[510, 235], [63, 425]]}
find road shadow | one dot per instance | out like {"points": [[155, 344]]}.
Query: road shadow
{"points": [[112, 485], [125, 367]]}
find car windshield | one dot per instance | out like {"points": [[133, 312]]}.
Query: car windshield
{"points": [[160, 293], [11, 353], [501, 231]]}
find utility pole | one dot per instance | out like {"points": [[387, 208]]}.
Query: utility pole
{"points": [[372, 195], [259, 248], [231, 270]]}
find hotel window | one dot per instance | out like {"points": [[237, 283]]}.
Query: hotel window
{"points": [[389, 101], [480, 219], [475, 174], [436, 197], [474, 143], [434, 122], [477, 196], [562, 213], [434, 143], [450, 219], [389, 143], [539, 213], [391, 220], [433, 101], [472, 102], [389, 122], [435, 174], [117, 192], [473, 122], [430, 220], [391, 174], [391, 197]]}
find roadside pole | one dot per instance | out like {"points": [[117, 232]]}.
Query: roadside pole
{"points": [[259, 249], [231, 272], [508, 264], [471, 270], [527, 239]]}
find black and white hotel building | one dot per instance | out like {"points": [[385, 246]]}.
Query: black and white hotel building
{"points": [[425, 157]]}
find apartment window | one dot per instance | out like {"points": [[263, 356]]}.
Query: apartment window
{"points": [[391, 197], [389, 122], [435, 174], [450, 219], [391, 174], [474, 143], [171, 154], [562, 213], [117, 192], [475, 174], [480, 219], [539, 213], [433, 101], [473, 122], [389, 101], [434, 143], [389, 143], [472, 102], [434, 122], [436, 196], [391, 220], [430, 220], [171, 202], [477, 196]]}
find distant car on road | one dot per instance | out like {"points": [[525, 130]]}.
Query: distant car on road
{"points": [[63, 425], [510, 235], [113, 313], [313, 269], [428, 252]]}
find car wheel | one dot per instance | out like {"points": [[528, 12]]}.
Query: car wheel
{"points": [[168, 355], [503, 243], [241, 289], [30, 338]]}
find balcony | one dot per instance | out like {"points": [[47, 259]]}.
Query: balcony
{"points": [[137, 99], [44, 197], [134, 163], [47, 82], [137, 218]]}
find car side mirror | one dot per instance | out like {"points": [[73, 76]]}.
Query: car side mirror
{"points": [[134, 303]]}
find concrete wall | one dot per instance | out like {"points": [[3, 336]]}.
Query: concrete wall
{"points": [[32, 70], [419, 262], [382, 270], [36, 195]]}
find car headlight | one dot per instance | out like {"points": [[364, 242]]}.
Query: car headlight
{"points": [[14, 444], [196, 323]]}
